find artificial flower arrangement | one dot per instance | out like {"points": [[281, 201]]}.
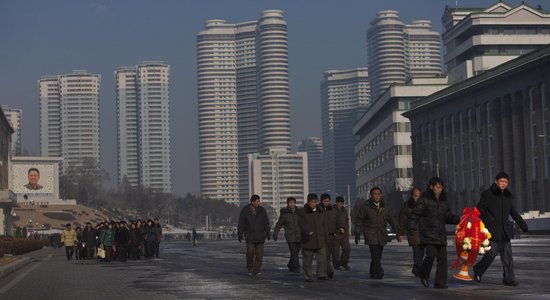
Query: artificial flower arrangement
{"points": [[472, 238]]}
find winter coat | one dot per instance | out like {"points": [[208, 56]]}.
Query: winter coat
{"points": [[254, 226], [495, 207], [89, 236], [107, 237], [158, 232], [372, 220], [68, 237], [413, 236], [133, 236], [343, 220], [289, 221], [312, 221], [432, 215], [150, 234], [331, 218], [122, 235]]}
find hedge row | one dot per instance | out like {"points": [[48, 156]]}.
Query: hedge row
{"points": [[11, 245]]}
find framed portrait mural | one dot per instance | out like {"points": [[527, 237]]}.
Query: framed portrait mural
{"points": [[33, 178]]}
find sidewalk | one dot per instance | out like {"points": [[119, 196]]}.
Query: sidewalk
{"points": [[10, 264]]}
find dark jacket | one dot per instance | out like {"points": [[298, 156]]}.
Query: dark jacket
{"points": [[372, 220], [254, 226], [343, 219], [289, 221], [331, 219], [158, 232], [89, 236], [313, 222], [432, 215], [122, 235], [495, 207], [413, 236], [150, 234]]}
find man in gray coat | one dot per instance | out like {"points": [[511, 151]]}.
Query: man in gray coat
{"points": [[371, 219], [289, 221], [314, 238], [342, 236]]}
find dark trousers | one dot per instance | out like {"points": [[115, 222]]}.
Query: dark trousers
{"points": [[69, 250], [157, 246], [122, 251], [108, 250], [254, 257], [433, 252], [331, 244], [294, 262], [418, 256], [90, 249], [149, 249], [341, 259], [320, 255], [504, 248], [376, 271], [133, 251]]}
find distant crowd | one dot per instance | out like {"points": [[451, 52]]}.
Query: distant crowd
{"points": [[108, 241]]}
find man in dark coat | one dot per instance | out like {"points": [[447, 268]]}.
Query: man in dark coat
{"points": [[342, 236], [372, 218], [89, 240], [496, 206], [314, 236], [432, 212], [334, 225], [289, 221], [157, 228], [413, 236], [122, 236], [254, 225]]}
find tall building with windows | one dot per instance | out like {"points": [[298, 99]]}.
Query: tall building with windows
{"points": [[313, 146], [277, 175], [345, 96], [243, 99], [397, 52], [478, 39], [69, 117], [13, 115], [383, 154], [143, 125]]}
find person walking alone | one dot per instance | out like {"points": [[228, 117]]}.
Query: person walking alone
{"points": [[496, 206], [254, 227]]}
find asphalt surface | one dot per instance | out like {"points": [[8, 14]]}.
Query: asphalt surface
{"points": [[215, 270]]}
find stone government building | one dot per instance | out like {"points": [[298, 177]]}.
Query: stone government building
{"points": [[496, 121]]}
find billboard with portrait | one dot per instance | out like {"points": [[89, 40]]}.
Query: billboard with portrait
{"points": [[37, 178]]}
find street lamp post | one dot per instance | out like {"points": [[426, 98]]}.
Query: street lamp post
{"points": [[431, 165]]}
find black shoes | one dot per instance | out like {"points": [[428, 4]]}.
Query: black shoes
{"points": [[510, 283], [477, 277], [346, 267], [425, 282], [441, 286], [330, 275], [322, 278]]}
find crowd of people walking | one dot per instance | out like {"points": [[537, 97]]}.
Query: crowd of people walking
{"points": [[320, 231], [113, 240]]}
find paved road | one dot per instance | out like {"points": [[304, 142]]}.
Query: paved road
{"points": [[215, 269]]}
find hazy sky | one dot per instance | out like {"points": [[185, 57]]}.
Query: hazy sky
{"points": [[55, 37]]}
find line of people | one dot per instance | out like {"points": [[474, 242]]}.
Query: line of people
{"points": [[117, 240], [321, 231]]}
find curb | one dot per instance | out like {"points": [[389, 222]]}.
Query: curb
{"points": [[14, 266]]}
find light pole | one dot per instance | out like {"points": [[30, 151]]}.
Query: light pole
{"points": [[431, 165]]}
